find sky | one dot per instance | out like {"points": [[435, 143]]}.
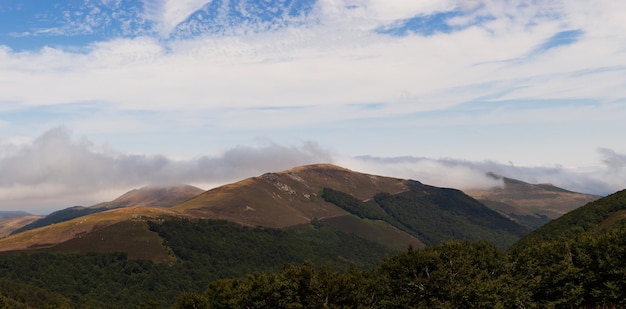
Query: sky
{"points": [[101, 96]]}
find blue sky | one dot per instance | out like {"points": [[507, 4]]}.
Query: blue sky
{"points": [[207, 92]]}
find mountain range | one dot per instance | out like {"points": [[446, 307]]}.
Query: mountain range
{"points": [[389, 211], [531, 205], [405, 241]]}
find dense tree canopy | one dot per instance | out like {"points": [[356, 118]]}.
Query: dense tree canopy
{"points": [[216, 259]]}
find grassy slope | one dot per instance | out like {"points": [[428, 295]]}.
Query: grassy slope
{"points": [[433, 214], [50, 235], [375, 230], [439, 214], [287, 198], [8, 225], [594, 215], [153, 197], [519, 198], [133, 237]]}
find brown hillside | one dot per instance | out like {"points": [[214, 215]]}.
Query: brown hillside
{"points": [[11, 224], [280, 199], [50, 235], [157, 197], [521, 198], [287, 198]]}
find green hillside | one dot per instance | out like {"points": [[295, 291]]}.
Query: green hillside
{"points": [[433, 215], [203, 251], [219, 264], [593, 216], [341, 242]]}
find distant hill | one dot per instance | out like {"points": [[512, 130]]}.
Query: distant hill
{"points": [[157, 197], [293, 197], [532, 205], [433, 214], [270, 200], [340, 220], [13, 214], [8, 225], [12, 220], [153, 196], [409, 213], [595, 216], [287, 198], [332, 216]]}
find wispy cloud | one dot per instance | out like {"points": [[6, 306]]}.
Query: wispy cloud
{"points": [[463, 174], [559, 39], [450, 78], [167, 14]]}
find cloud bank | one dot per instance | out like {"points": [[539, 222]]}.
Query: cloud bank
{"points": [[402, 66], [57, 170], [487, 81]]}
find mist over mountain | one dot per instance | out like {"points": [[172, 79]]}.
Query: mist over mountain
{"points": [[57, 169], [156, 239], [334, 154]]}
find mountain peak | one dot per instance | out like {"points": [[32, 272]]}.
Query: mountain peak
{"points": [[318, 166], [154, 196], [534, 204]]}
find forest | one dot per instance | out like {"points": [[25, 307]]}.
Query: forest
{"points": [[585, 271], [576, 261], [433, 215]]}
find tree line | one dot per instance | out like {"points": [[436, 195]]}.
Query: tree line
{"points": [[586, 270]]}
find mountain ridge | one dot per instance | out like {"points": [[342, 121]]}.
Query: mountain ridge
{"points": [[146, 197], [530, 204], [284, 199]]}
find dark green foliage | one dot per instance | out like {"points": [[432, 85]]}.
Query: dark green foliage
{"points": [[296, 286], [191, 300], [451, 275], [585, 271], [224, 265], [531, 221], [580, 220], [436, 214], [93, 280], [226, 249], [354, 206], [20, 295], [206, 250], [433, 215]]}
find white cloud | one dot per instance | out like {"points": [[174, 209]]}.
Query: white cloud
{"points": [[167, 14], [59, 169], [459, 175], [331, 69], [321, 64], [464, 174], [56, 170], [378, 12]]}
